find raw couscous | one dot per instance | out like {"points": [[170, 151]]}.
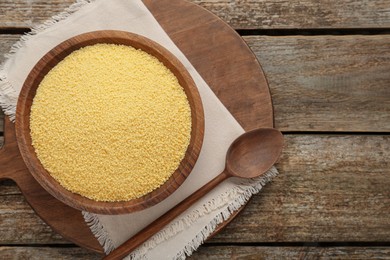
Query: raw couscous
{"points": [[110, 122]]}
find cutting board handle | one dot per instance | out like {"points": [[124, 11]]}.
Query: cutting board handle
{"points": [[11, 163]]}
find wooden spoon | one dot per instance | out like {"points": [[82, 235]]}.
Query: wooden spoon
{"points": [[250, 155]]}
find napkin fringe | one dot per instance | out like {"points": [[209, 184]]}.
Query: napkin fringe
{"points": [[239, 196], [98, 231], [9, 97], [247, 193]]}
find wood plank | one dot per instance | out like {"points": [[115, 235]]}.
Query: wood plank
{"points": [[285, 14], [212, 253], [330, 189], [6, 42], [37, 253], [20, 225], [327, 83], [321, 83], [242, 252], [244, 14], [8, 187], [254, 253]]}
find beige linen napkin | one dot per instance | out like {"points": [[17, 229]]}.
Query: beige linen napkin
{"points": [[189, 230]]}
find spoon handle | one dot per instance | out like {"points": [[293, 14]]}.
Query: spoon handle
{"points": [[146, 233]]}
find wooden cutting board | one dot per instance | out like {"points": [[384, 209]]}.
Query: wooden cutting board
{"points": [[221, 57]]}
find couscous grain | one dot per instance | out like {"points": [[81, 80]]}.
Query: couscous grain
{"points": [[110, 122]]}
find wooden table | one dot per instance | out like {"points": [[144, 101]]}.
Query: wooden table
{"points": [[328, 67]]}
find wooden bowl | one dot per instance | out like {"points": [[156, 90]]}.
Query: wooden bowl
{"points": [[59, 53]]}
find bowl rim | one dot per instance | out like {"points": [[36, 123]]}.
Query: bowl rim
{"points": [[43, 177]]}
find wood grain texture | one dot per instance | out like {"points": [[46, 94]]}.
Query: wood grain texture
{"points": [[6, 42], [38, 253], [321, 83], [213, 253], [7, 187], [283, 14], [326, 83], [20, 225], [265, 253], [330, 189], [243, 14]]}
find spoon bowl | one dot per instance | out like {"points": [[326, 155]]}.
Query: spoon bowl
{"points": [[253, 153]]}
